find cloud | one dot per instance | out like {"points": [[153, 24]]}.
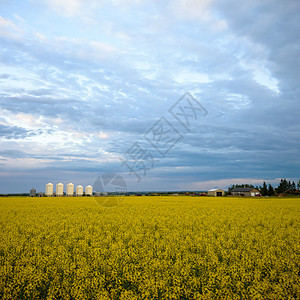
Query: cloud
{"points": [[69, 8], [191, 77], [191, 9], [274, 18], [83, 49], [15, 132], [81, 82], [4, 76], [11, 153], [9, 29], [103, 135]]}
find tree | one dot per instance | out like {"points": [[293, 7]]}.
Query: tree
{"points": [[264, 190], [233, 186], [271, 190], [283, 186]]}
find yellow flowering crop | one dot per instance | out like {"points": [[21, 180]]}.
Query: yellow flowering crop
{"points": [[169, 247]]}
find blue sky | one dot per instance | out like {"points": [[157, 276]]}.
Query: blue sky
{"points": [[82, 82]]}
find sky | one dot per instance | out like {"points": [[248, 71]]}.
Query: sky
{"points": [[168, 95]]}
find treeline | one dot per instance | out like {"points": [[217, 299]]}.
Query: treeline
{"points": [[15, 195], [285, 187]]}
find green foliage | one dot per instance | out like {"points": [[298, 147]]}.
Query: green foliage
{"points": [[271, 191], [264, 190], [167, 247], [282, 187], [287, 187], [240, 186]]}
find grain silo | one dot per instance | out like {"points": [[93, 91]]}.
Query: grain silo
{"points": [[49, 189], [79, 190], [33, 192], [59, 189], [70, 189], [88, 190]]}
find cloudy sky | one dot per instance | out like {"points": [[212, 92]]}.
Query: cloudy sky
{"points": [[84, 83]]}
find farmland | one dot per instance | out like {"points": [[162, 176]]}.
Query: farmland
{"points": [[165, 247]]}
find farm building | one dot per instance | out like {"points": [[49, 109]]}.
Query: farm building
{"points": [[215, 192], [245, 192]]}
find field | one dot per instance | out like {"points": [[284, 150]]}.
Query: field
{"points": [[171, 247]]}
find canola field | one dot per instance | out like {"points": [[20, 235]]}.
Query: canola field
{"points": [[169, 247]]}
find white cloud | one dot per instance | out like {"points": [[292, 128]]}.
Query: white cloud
{"points": [[264, 77], [238, 101], [41, 37], [191, 9], [69, 8], [85, 9], [27, 120], [83, 48], [220, 25], [10, 30], [103, 135], [5, 23], [187, 77]]}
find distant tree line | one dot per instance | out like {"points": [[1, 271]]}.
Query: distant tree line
{"points": [[234, 186], [285, 187]]}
